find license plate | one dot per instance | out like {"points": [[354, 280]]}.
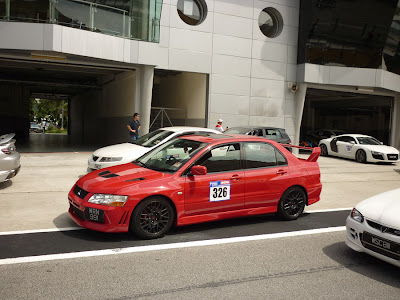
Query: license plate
{"points": [[94, 214], [380, 245]]}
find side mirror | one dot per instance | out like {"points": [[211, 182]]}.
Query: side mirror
{"points": [[198, 170]]}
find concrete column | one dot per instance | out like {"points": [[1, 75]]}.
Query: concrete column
{"points": [[395, 134], [299, 107], [144, 92]]}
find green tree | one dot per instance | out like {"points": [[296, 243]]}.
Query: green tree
{"points": [[50, 110]]}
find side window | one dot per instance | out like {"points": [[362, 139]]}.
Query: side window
{"points": [[221, 159], [271, 134], [278, 134], [346, 139], [262, 155]]}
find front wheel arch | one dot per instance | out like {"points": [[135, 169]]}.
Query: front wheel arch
{"points": [[154, 196]]}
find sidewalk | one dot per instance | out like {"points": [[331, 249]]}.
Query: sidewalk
{"points": [[37, 197]]}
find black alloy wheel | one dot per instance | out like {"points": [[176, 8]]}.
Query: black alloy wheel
{"points": [[152, 218], [292, 203], [324, 150], [361, 156]]}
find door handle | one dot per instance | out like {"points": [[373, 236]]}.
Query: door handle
{"points": [[281, 172], [236, 177]]}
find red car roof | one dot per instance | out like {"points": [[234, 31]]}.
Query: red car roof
{"points": [[212, 138]]}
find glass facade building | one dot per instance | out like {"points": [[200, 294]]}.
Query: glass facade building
{"points": [[359, 33], [133, 19]]}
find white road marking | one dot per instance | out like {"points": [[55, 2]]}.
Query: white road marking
{"points": [[327, 210], [40, 230], [27, 259]]}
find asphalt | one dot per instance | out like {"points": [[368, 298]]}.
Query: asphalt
{"points": [[32, 244]]}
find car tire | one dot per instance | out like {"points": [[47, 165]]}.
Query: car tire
{"points": [[292, 203], [324, 150], [152, 218], [361, 156]]}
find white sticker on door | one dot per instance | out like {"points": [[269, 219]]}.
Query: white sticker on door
{"points": [[220, 190]]}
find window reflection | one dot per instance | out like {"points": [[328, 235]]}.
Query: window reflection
{"points": [[359, 33], [136, 19]]}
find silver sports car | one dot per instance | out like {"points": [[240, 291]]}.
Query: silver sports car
{"points": [[9, 157]]}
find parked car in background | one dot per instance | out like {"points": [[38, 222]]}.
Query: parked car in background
{"points": [[373, 227], [276, 134], [34, 127], [193, 179], [9, 157], [127, 152], [362, 148], [313, 137]]}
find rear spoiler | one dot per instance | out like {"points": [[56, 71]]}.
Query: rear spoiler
{"points": [[316, 151]]}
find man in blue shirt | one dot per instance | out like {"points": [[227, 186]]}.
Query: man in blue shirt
{"points": [[134, 126]]}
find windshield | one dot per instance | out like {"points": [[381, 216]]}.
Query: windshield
{"points": [[171, 156], [237, 130], [153, 138], [367, 140]]}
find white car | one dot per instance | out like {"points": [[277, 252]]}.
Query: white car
{"points": [[373, 227], [362, 148], [9, 157], [127, 152]]}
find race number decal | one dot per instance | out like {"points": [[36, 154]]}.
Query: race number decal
{"points": [[220, 190]]}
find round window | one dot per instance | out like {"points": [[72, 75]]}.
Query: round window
{"points": [[270, 22], [192, 12]]}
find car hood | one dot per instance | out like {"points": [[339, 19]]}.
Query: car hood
{"points": [[383, 208], [381, 148], [125, 150], [4, 139], [115, 179]]}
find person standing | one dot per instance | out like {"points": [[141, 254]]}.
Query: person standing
{"points": [[134, 127], [219, 126], [44, 123]]}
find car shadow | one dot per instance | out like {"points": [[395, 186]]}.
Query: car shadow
{"points": [[5, 184], [364, 264], [244, 226]]}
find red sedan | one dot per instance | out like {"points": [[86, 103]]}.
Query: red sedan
{"points": [[196, 179]]}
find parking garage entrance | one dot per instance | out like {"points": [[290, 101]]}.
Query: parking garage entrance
{"points": [[96, 99], [349, 112]]}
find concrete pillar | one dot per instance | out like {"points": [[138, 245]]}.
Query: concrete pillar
{"points": [[144, 92], [299, 107], [395, 134]]}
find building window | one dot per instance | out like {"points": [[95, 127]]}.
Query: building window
{"points": [[270, 22], [192, 12]]}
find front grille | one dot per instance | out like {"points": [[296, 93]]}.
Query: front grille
{"points": [[383, 228], [77, 212], [95, 158], [392, 156], [81, 193]]}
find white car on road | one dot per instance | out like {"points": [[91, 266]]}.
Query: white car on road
{"points": [[362, 148], [9, 157], [127, 152], [373, 227]]}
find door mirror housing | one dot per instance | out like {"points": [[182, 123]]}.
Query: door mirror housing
{"points": [[198, 170]]}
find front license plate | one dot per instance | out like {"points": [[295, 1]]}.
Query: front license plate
{"points": [[94, 214], [380, 245]]}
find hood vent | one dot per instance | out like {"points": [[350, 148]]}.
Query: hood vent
{"points": [[107, 174], [135, 179]]}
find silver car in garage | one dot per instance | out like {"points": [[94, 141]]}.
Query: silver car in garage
{"points": [[9, 157]]}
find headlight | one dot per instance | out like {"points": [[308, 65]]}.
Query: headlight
{"points": [[356, 215], [376, 153], [110, 159], [110, 200]]}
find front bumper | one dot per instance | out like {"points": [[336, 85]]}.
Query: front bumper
{"points": [[384, 157], [354, 232], [116, 219]]}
